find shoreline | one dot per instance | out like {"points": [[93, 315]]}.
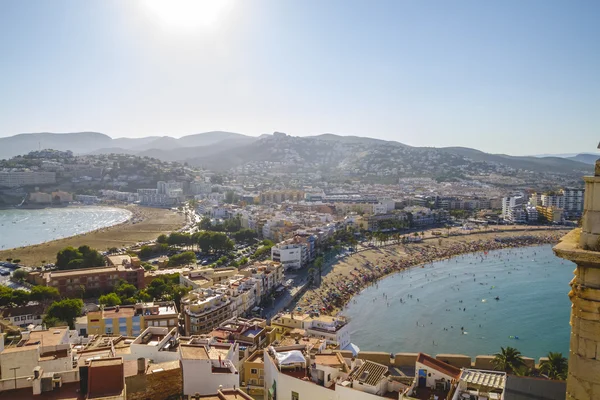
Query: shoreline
{"points": [[118, 207], [352, 274], [143, 223]]}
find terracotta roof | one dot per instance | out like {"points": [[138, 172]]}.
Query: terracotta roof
{"points": [[438, 365], [330, 360], [36, 309], [370, 373]]}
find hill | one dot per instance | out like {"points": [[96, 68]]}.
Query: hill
{"points": [[585, 158], [327, 154]]}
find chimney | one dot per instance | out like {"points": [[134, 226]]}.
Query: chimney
{"points": [[141, 365]]}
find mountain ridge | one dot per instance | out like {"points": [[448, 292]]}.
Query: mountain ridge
{"points": [[222, 150]]}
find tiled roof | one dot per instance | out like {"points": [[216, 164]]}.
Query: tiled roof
{"points": [[496, 380], [36, 309], [439, 365], [370, 373]]}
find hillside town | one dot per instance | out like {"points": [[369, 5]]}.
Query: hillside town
{"points": [[209, 311]]}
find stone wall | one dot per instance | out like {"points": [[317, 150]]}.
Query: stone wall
{"points": [[457, 360], [154, 386]]}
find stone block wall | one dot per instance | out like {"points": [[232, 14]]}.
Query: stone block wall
{"points": [[155, 386], [457, 360]]}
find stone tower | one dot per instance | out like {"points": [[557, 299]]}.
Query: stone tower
{"points": [[582, 246]]}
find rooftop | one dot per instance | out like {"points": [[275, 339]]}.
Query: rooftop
{"points": [[494, 380], [330, 360], [370, 373], [439, 365], [191, 352], [49, 337]]}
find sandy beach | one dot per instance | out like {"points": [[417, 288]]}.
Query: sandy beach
{"points": [[351, 274], [144, 224]]}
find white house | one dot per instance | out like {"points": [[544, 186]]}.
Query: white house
{"points": [[292, 374], [155, 343], [207, 367], [25, 315], [291, 256]]}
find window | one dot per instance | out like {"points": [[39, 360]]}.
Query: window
{"points": [[295, 396], [253, 371]]}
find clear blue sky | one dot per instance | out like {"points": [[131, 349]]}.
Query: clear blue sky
{"points": [[517, 77]]}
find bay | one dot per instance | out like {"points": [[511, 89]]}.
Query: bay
{"points": [[424, 309], [22, 227]]}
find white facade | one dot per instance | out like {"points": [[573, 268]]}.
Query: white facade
{"points": [[511, 202], [573, 201], [556, 201], [321, 378], [532, 213], [26, 178], [147, 345], [291, 256], [204, 374]]}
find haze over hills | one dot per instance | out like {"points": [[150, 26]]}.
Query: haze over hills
{"points": [[224, 150]]}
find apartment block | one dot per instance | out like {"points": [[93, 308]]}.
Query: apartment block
{"points": [[74, 281], [204, 309], [26, 178]]}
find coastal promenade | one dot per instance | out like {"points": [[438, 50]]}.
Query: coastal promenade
{"points": [[144, 224], [348, 276]]}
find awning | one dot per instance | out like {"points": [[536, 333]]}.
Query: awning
{"points": [[353, 348]]}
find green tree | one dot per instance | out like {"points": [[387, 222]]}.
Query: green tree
{"points": [[44, 293], [19, 297], [19, 275], [125, 290], [157, 288], [65, 311], [82, 257], [146, 251], [555, 367], [66, 255], [162, 239], [187, 257], [110, 299], [205, 223], [311, 275], [319, 265], [508, 360]]}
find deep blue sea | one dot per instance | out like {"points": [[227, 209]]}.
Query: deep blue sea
{"points": [[532, 313], [20, 227]]}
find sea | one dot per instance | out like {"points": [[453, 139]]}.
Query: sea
{"points": [[22, 227], [472, 304]]}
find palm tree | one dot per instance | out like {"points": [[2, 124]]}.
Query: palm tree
{"points": [[319, 264], [508, 360], [555, 367], [311, 276]]}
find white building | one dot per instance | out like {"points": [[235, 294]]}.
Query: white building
{"points": [[26, 178], [156, 344], [335, 330], [207, 367], [573, 201], [553, 200], [25, 315], [531, 213], [291, 373], [291, 256], [49, 349], [513, 209]]}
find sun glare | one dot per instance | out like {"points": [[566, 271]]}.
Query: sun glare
{"points": [[189, 14]]}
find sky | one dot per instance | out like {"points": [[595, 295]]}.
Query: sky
{"points": [[513, 76]]}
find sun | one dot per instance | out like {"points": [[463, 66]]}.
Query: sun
{"points": [[188, 14]]}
